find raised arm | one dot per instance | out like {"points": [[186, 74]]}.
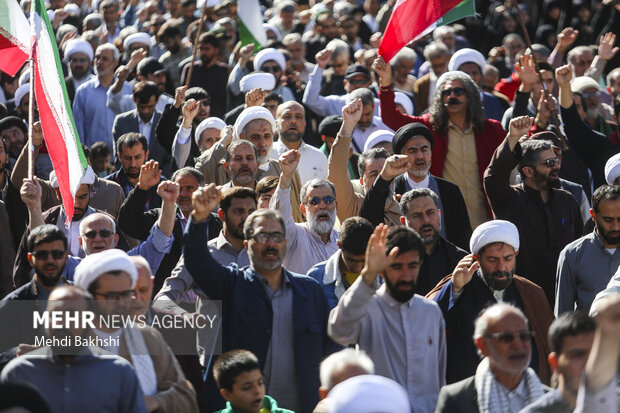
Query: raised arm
{"points": [[281, 199], [181, 146], [31, 196], [168, 122], [312, 97], [389, 114]]}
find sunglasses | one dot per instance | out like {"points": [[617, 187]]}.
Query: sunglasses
{"points": [[551, 162], [458, 91], [315, 200], [263, 237], [358, 82], [104, 233], [43, 254], [117, 295], [510, 337], [271, 69]]}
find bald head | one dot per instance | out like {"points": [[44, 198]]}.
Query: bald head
{"points": [[291, 123], [289, 104], [494, 315]]}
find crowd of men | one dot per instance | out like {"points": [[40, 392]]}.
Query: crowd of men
{"points": [[439, 232]]}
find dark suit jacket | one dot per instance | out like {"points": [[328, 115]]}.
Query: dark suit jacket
{"points": [[130, 122], [460, 397]]}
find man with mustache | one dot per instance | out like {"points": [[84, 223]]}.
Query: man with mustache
{"points": [[242, 165], [502, 382], [487, 276], [276, 314], [316, 239], [403, 333], [586, 265]]}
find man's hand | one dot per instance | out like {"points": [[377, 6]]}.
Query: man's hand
{"points": [[518, 128], [150, 174], [463, 272], [226, 135], [351, 114], [546, 108], [30, 193], [375, 40], [122, 73], [566, 38], [526, 71], [288, 162], [394, 166], [136, 57], [190, 110], [24, 349], [384, 71], [323, 57], [204, 201], [563, 76], [168, 191], [606, 49], [37, 134], [376, 261], [255, 97], [245, 53], [179, 96]]}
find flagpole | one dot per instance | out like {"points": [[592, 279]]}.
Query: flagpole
{"points": [[195, 51], [33, 40], [546, 91]]}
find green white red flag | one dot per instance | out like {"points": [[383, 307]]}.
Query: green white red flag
{"points": [[250, 23], [14, 37]]}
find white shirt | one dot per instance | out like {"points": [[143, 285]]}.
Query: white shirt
{"points": [[312, 162], [145, 128], [360, 136], [417, 185]]}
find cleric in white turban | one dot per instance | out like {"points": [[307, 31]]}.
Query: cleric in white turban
{"points": [[141, 38], [95, 265], [265, 81], [368, 393], [253, 113], [494, 231], [612, 169], [78, 46], [380, 138], [208, 123], [466, 56], [268, 54]]}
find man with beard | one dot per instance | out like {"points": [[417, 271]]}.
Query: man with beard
{"points": [[415, 142], [47, 254], [291, 124], [93, 118], [79, 54], [171, 37], [316, 239], [586, 265], [481, 278], [209, 74], [241, 164], [109, 381], [287, 313], [401, 332], [548, 218], [502, 382]]}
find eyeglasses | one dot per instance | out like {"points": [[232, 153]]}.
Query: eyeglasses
{"points": [[357, 82], [205, 103], [507, 337], [43, 254], [591, 95], [104, 233], [117, 295], [458, 91], [271, 69], [263, 237], [551, 162], [315, 200]]}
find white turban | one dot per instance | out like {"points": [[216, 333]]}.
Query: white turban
{"points": [[24, 78], [79, 46], [269, 54], [72, 9], [402, 99], [103, 262], [612, 169], [582, 83], [253, 113], [211, 122], [21, 91], [265, 81], [494, 231], [466, 56], [377, 137], [443, 77], [368, 393], [274, 29], [141, 37], [87, 179]]}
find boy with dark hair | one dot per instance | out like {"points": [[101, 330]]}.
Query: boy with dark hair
{"points": [[237, 374]]}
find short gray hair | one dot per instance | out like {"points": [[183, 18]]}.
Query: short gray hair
{"points": [[270, 214], [232, 147], [405, 53], [413, 194], [436, 49], [109, 46], [482, 323], [93, 217], [315, 183], [338, 48], [341, 359], [368, 99], [441, 30], [572, 55]]}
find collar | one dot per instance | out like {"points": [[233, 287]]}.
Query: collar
{"points": [[597, 241], [332, 269], [463, 132], [317, 237], [221, 242], [141, 122], [383, 294], [415, 185]]}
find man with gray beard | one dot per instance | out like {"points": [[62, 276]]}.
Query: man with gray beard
{"points": [[313, 241]]}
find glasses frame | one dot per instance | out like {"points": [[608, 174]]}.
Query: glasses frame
{"points": [[508, 337]]}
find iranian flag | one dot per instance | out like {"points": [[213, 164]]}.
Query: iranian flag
{"points": [[409, 19], [464, 9], [14, 37], [61, 138], [250, 22]]}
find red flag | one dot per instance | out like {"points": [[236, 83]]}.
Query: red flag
{"points": [[409, 18], [14, 37]]}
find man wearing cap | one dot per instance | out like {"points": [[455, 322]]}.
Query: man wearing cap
{"points": [[597, 113], [250, 83], [586, 265], [486, 276], [463, 140], [209, 73], [415, 142], [291, 125], [79, 53], [110, 276], [357, 76], [328, 130], [403, 333], [502, 382]]}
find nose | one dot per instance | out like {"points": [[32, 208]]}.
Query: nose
{"points": [[501, 265]]}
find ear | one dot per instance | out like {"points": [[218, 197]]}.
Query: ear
{"points": [[528, 171], [80, 241], [30, 259], [225, 394], [439, 212], [146, 156], [226, 167], [302, 208], [592, 214], [220, 213], [338, 243], [362, 181], [481, 345], [403, 221], [322, 393], [553, 360], [245, 244], [115, 240]]}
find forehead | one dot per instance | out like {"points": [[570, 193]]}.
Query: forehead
{"points": [[271, 62], [469, 67], [98, 224], [109, 282], [79, 55], [546, 74], [210, 133], [321, 191], [546, 154], [453, 83], [11, 130], [53, 245], [498, 249], [243, 203], [84, 189], [507, 321], [590, 90], [258, 126], [359, 78], [242, 150], [187, 180], [610, 207], [290, 109], [422, 203], [136, 149], [407, 257], [264, 224], [374, 164], [416, 142], [104, 53]]}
